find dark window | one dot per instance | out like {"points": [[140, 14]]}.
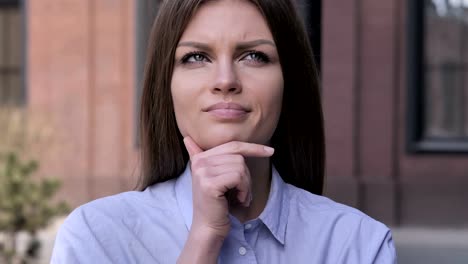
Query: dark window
{"points": [[438, 76], [145, 12], [11, 87], [311, 11]]}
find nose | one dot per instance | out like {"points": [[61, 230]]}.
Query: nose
{"points": [[226, 80]]}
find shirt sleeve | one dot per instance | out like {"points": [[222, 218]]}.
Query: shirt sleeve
{"points": [[370, 242], [77, 243], [386, 252]]}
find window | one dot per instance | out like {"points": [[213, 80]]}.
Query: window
{"points": [[145, 12], [11, 87], [438, 76], [311, 11]]}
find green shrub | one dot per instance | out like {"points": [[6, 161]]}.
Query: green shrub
{"points": [[25, 205]]}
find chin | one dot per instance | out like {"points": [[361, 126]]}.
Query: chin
{"points": [[211, 140]]}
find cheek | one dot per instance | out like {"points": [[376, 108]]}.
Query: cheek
{"points": [[270, 99], [182, 104], [273, 96]]}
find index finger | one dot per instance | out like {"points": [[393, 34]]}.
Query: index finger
{"points": [[242, 148]]}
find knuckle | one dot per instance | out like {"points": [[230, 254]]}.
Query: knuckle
{"points": [[199, 172], [238, 176], [197, 161], [240, 168], [239, 159], [246, 172], [209, 188], [206, 186], [194, 160]]}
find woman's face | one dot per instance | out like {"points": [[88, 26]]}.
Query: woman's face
{"points": [[227, 82]]}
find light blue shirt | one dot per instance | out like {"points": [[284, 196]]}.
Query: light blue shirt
{"points": [[152, 227]]}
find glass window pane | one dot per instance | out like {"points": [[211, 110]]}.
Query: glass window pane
{"points": [[445, 69], [3, 39], [14, 37], [11, 90]]}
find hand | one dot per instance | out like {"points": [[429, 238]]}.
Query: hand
{"points": [[215, 173]]}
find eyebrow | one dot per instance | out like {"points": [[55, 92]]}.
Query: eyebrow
{"points": [[239, 46]]}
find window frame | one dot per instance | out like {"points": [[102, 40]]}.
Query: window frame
{"points": [[415, 141]]}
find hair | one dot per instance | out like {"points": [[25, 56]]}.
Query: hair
{"points": [[298, 140]]}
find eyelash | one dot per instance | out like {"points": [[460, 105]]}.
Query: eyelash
{"points": [[185, 59], [262, 57]]}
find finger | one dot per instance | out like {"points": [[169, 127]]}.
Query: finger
{"points": [[233, 180], [191, 146], [243, 148], [232, 198], [215, 171], [221, 160]]}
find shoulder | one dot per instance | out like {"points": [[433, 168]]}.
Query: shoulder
{"points": [[159, 198], [109, 229], [345, 231], [306, 203]]}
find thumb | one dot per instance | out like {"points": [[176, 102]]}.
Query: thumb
{"points": [[191, 146]]}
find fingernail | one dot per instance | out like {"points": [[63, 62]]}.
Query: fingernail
{"points": [[269, 150]]}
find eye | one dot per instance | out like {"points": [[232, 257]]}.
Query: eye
{"points": [[257, 57], [194, 57]]}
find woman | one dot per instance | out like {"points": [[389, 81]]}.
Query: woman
{"points": [[230, 103]]}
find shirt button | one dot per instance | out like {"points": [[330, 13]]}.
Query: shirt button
{"points": [[248, 226], [242, 251]]}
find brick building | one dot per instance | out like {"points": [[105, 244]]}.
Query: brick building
{"points": [[397, 130]]}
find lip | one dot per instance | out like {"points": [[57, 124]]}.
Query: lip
{"points": [[227, 111]]}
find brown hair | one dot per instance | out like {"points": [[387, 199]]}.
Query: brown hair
{"points": [[299, 137]]}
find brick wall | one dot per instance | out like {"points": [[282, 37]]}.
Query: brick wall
{"points": [[80, 76]]}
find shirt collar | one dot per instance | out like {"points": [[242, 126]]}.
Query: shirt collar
{"points": [[274, 216], [183, 191]]}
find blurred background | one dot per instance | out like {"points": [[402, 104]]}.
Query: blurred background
{"points": [[393, 87]]}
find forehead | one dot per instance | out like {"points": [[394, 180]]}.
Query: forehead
{"points": [[227, 19]]}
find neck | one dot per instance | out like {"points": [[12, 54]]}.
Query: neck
{"points": [[260, 173]]}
